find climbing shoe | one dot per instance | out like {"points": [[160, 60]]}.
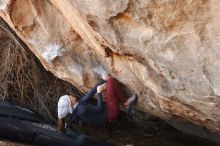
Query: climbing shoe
{"points": [[131, 102]]}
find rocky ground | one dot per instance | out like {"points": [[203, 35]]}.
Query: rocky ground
{"points": [[154, 133]]}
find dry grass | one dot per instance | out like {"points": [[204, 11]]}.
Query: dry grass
{"points": [[24, 81]]}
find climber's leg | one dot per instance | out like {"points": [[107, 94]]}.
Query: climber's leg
{"points": [[112, 102]]}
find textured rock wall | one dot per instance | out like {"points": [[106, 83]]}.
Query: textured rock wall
{"points": [[166, 51]]}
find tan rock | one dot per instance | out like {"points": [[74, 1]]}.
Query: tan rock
{"points": [[165, 51]]}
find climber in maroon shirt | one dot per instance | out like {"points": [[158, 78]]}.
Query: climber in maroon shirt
{"points": [[95, 115]]}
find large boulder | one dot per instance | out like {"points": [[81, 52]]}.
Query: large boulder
{"points": [[167, 52]]}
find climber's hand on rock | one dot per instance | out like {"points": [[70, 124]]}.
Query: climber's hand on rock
{"points": [[101, 88]]}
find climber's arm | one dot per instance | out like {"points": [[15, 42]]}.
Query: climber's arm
{"points": [[91, 93], [61, 125]]}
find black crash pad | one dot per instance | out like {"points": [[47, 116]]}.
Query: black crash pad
{"points": [[27, 132], [46, 135], [8, 110], [14, 129], [4, 104]]}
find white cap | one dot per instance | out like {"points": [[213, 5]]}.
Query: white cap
{"points": [[64, 106]]}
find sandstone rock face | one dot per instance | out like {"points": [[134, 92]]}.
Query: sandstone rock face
{"points": [[166, 51]]}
